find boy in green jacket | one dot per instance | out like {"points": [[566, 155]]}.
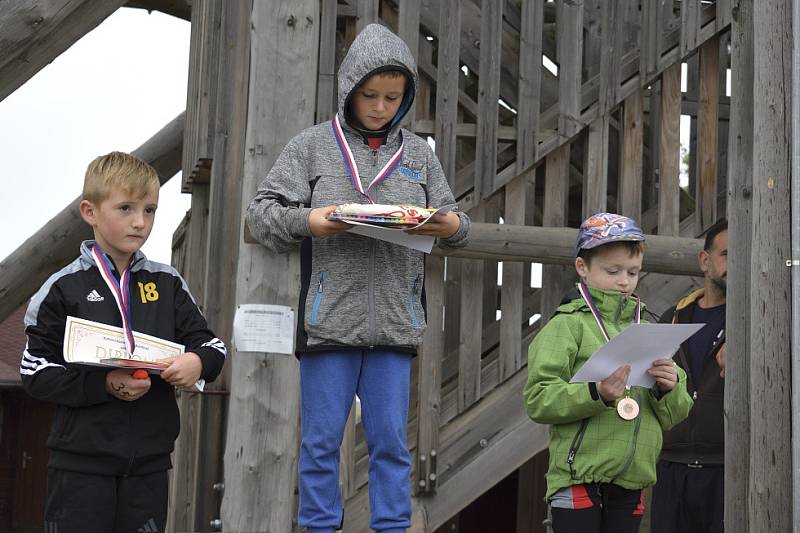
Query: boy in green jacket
{"points": [[605, 437]]}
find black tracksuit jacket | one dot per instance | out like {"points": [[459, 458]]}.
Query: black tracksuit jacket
{"points": [[94, 432]]}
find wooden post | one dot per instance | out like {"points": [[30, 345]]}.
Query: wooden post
{"points": [[488, 94], [408, 30], [740, 193], [326, 84], [630, 190], [262, 436], [366, 13], [770, 330], [556, 190], [707, 125], [595, 168], [570, 52], [670, 149]]}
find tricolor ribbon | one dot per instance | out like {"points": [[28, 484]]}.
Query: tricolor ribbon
{"points": [[587, 297], [121, 292], [350, 161]]}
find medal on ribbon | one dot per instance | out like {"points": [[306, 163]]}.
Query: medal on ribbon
{"points": [[121, 292], [350, 161], [627, 407]]}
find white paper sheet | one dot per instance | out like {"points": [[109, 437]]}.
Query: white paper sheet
{"points": [[423, 243], [638, 346], [264, 328]]}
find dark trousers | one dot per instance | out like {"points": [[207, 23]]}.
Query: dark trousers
{"points": [[82, 503], [688, 499], [600, 508]]}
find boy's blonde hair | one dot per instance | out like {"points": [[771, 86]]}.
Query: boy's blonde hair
{"points": [[118, 170]]}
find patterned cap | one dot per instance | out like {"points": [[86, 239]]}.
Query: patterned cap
{"points": [[603, 228]]}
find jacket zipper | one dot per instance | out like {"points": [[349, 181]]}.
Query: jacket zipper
{"points": [[318, 298], [132, 458], [371, 293], [635, 439]]}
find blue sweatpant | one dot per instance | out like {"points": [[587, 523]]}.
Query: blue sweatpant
{"points": [[328, 383]]}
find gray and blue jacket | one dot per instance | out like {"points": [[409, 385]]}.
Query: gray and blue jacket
{"points": [[355, 291]]}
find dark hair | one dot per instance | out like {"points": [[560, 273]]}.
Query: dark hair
{"points": [[713, 231], [633, 248]]}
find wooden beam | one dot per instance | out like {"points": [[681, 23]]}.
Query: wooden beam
{"points": [[488, 94], [737, 324], [570, 53], [35, 32], [262, 436], [408, 30], [181, 9], [447, 87], [470, 328], [690, 25], [707, 126], [556, 190], [595, 168], [556, 246], [366, 13], [670, 151], [58, 241], [770, 304], [326, 80], [630, 190], [530, 75]]}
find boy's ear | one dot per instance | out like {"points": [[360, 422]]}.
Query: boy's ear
{"points": [[88, 212], [581, 267]]}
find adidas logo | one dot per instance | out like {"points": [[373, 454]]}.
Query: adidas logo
{"points": [[94, 296]]}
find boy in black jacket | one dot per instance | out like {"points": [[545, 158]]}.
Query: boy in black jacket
{"points": [[112, 434]]}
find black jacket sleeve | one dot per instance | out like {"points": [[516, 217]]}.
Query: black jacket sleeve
{"points": [[45, 374], [191, 330]]}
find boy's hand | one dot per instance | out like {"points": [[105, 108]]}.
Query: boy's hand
{"points": [[613, 386], [183, 371], [665, 373], [721, 359], [121, 384], [442, 225], [321, 226]]}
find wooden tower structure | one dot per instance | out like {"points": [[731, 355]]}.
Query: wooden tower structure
{"points": [[541, 112]]}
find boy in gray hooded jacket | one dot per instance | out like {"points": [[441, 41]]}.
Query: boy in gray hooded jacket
{"points": [[361, 316]]}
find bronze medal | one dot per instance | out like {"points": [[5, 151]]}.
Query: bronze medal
{"points": [[627, 408]]}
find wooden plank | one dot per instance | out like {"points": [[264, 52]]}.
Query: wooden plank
{"points": [[408, 30], [610, 55], [630, 190], [707, 125], [530, 75], [430, 358], [531, 490], [740, 219], [56, 243], [570, 52], [201, 99], [260, 472], [470, 328], [488, 94], [326, 78], [770, 305], [556, 190], [669, 149], [35, 32], [511, 357], [366, 13], [447, 87], [649, 41], [690, 25], [466, 129], [595, 178]]}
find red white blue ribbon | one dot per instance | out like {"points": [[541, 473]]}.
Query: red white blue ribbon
{"points": [[350, 161], [121, 292], [587, 297]]}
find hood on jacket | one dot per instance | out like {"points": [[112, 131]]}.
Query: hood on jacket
{"points": [[374, 50]]}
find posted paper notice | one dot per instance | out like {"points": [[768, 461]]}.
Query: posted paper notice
{"points": [[264, 328], [638, 346]]}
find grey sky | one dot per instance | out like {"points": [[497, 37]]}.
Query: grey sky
{"points": [[112, 90]]}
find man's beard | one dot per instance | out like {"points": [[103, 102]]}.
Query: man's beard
{"points": [[721, 283]]}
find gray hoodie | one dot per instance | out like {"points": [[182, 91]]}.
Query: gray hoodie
{"points": [[355, 291]]}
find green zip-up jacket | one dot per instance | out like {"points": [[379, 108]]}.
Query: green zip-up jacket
{"points": [[611, 450]]}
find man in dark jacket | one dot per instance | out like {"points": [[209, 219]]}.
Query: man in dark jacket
{"points": [[689, 494]]}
